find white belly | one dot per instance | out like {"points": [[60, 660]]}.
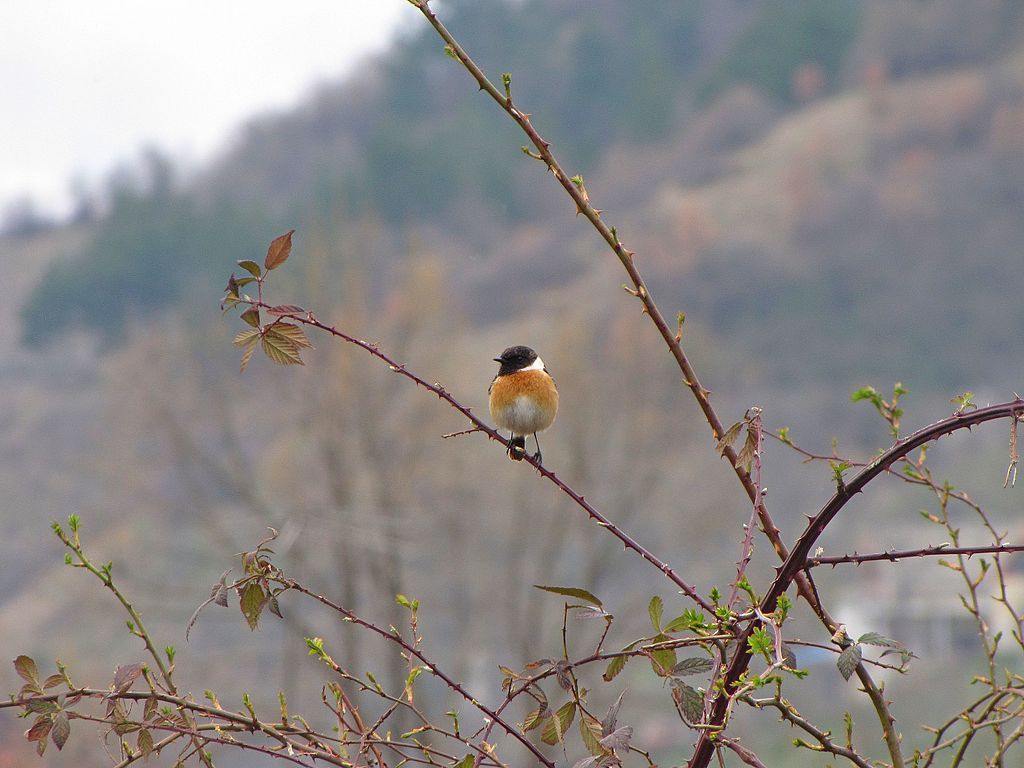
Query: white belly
{"points": [[524, 417]]}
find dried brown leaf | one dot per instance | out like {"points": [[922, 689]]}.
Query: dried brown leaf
{"points": [[125, 675], [279, 250]]}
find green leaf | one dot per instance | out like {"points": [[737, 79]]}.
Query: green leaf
{"points": [[466, 762], [689, 701], [251, 267], [251, 316], [534, 719], [252, 602], [61, 729], [42, 706], [280, 349], [27, 670], [874, 638], [590, 732], [729, 437], [614, 667], [695, 665], [145, 743], [245, 337], [558, 724], [279, 250], [848, 660], [662, 659], [690, 619], [867, 393], [294, 333], [654, 610], [580, 594]]}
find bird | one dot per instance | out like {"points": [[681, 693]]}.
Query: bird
{"points": [[523, 398]]}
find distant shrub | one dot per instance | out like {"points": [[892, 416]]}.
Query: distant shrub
{"points": [[784, 36]]}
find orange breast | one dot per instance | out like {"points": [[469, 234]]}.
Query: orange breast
{"points": [[524, 402]]}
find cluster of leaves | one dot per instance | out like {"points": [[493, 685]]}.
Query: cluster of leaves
{"points": [[852, 653], [282, 342], [888, 409], [256, 590], [53, 719]]}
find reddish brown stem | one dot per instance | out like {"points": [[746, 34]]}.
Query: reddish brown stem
{"points": [[628, 541], [900, 554]]}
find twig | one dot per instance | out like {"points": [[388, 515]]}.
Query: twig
{"points": [[430, 666], [824, 738], [582, 201], [900, 554], [307, 318], [795, 564]]}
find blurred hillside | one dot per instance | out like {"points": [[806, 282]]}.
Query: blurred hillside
{"points": [[830, 189]]}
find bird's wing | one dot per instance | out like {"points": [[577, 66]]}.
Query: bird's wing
{"points": [[491, 385]]}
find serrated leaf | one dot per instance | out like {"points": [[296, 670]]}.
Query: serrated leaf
{"points": [[558, 724], [285, 309], [294, 333], [151, 706], [688, 700], [251, 267], [61, 729], [534, 718], [580, 594], [244, 337], [280, 349], [874, 638], [247, 354], [746, 453], [590, 732], [252, 600], [655, 609], [618, 740], [611, 717], [693, 666], [848, 660], [614, 667], [123, 727], [145, 743], [662, 659], [280, 248], [27, 670], [729, 437], [125, 675], [53, 681], [251, 316]]}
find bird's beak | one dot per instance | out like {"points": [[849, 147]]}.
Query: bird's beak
{"points": [[496, 359]]}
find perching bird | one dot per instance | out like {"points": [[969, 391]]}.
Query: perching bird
{"points": [[523, 398]]}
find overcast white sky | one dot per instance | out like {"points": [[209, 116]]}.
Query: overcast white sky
{"points": [[87, 85]]}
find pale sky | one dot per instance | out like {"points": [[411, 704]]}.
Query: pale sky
{"points": [[86, 85]]}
